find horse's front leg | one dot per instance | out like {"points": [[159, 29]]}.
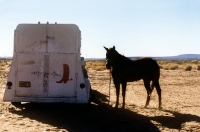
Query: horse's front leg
{"points": [[123, 93], [117, 86], [149, 90]]}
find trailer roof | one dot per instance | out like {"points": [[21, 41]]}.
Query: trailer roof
{"points": [[51, 38]]}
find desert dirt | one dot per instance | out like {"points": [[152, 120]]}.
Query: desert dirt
{"points": [[180, 108]]}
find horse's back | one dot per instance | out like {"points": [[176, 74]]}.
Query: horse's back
{"points": [[140, 69], [146, 63], [146, 67]]}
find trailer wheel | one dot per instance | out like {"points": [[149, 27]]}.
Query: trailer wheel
{"points": [[16, 104]]}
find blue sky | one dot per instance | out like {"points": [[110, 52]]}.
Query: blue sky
{"points": [[135, 27]]}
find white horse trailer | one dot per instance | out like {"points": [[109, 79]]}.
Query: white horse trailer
{"points": [[47, 66]]}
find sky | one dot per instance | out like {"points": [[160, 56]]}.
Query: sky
{"points": [[134, 27]]}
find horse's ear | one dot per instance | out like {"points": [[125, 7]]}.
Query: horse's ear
{"points": [[114, 47], [105, 48]]}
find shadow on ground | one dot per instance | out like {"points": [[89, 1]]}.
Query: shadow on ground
{"points": [[175, 121], [97, 116]]}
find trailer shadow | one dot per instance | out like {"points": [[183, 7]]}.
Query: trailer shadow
{"points": [[88, 118], [99, 116]]}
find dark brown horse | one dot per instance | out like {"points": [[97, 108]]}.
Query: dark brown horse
{"points": [[125, 70]]}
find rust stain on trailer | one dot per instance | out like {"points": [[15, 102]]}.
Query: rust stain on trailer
{"points": [[28, 62]]}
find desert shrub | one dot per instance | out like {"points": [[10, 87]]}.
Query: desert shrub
{"points": [[194, 61], [164, 66], [161, 66], [9, 64], [1, 67], [198, 67], [188, 68], [173, 67], [2, 63], [169, 66]]}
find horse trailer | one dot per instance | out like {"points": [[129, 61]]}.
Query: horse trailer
{"points": [[47, 66]]}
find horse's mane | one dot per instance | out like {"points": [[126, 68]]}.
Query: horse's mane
{"points": [[122, 57]]}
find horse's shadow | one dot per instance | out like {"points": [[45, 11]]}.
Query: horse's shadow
{"points": [[176, 120], [97, 116], [98, 98]]}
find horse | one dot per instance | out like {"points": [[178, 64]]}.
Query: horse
{"points": [[125, 70]]}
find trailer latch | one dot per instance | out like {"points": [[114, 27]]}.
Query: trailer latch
{"points": [[50, 37]]}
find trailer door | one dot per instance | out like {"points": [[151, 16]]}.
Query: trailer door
{"points": [[30, 46], [30, 74], [62, 78], [62, 49]]}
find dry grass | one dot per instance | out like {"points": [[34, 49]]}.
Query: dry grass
{"points": [[5, 63], [2, 68], [2, 65], [96, 65], [187, 65]]}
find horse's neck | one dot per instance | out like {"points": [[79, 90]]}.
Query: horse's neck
{"points": [[120, 60]]}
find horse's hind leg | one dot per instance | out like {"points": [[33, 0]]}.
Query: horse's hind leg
{"points": [[158, 89], [123, 93], [148, 89], [152, 87]]}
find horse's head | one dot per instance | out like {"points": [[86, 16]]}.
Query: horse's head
{"points": [[110, 55]]}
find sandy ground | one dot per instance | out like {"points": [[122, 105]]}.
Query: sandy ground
{"points": [[180, 108]]}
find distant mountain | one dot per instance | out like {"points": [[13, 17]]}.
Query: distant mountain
{"points": [[181, 57], [190, 56], [178, 57], [1, 58]]}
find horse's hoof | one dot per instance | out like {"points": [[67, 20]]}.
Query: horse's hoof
{"points": [[159, 107], [123, 107], [145, 106]]}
